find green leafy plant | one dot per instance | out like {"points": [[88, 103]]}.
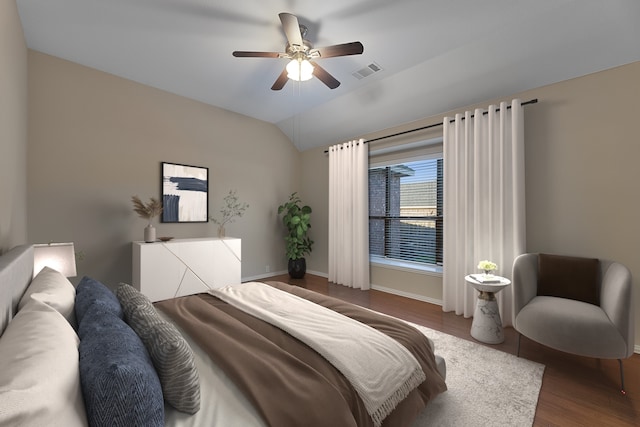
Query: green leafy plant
{"points": [[296, 219], [231, 210], [148, 210]]}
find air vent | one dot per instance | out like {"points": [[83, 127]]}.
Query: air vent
{"points": [[367, 71]]}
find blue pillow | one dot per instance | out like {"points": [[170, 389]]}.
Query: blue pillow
{"points": [[90, 291], [119, 384]]}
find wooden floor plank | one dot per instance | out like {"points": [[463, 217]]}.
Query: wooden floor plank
{"points": [[576, 391]]}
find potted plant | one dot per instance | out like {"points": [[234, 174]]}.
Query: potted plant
{"points": [[233, 209], [296, 220], [148, 211]]}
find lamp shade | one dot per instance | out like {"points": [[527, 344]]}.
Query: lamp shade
{"points": [[299, 70], [58, 256]]}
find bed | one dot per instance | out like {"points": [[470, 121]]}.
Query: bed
{"points": [[94, 356]]}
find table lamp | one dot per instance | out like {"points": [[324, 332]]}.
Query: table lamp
{"points": [[59, 256]]}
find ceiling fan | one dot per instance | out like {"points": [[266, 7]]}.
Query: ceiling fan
{"points": [[302, 55]]}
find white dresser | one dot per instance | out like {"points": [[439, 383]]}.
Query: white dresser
{"points": [[163, 270]]}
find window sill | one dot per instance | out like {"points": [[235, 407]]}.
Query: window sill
{"points": [[412, 267]]}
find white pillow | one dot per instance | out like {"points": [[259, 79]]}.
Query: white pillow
{"points": [[52, 288], [40, 378]]}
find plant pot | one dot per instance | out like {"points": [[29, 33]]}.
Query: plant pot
{"points": [[297, 268], [149, 234]]}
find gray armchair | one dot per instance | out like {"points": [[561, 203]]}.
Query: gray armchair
{"points": [[576, 305]]}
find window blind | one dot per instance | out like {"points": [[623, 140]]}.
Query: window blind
{"points": [[405, 210]]}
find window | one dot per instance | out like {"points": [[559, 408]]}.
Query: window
{"points": [[405, 212]]}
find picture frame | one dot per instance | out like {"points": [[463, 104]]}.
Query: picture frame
{"points": [[185, 193]]}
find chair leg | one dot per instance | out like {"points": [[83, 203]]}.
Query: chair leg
{"points": [[622, 390], [518, 351]]}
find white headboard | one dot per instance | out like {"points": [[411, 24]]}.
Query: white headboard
{"points": [[16, 272]]}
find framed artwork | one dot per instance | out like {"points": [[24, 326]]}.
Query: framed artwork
{"points": [[185, 193]]}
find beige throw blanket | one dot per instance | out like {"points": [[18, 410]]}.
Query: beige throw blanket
{"points": [[382, 371]]}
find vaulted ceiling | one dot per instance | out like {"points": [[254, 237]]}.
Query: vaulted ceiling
{"points": [[434, 55]]}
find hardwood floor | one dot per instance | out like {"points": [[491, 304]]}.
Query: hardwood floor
{"points": [[576, 391]]}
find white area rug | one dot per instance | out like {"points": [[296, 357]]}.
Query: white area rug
{"points": [[486, 387]]}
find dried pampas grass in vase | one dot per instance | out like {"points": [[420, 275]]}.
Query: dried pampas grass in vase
{"points": [[147, 211]]}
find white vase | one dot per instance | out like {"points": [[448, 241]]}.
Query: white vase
{"points": [[149, 234]]}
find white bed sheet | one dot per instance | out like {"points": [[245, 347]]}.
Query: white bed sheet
{"points": [[221, 402]]}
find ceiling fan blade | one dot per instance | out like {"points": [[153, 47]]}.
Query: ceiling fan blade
{"points": [[353, 48], [291, 28], [246, 54], [324, 76], [280, 81]]}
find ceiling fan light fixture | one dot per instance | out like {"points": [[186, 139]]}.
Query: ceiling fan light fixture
{"points": [[300, 51], [299, 70]]}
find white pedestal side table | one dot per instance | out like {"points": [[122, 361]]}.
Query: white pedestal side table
{"points": [[487, 325]]}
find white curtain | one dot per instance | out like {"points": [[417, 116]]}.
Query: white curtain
{"points": [[349, 214], [484, 201]]}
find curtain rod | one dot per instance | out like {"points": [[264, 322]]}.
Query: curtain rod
{"points": [[531, 101]]}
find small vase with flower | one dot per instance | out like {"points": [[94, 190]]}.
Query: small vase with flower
{"points": [[488, 267], [233, 209]]}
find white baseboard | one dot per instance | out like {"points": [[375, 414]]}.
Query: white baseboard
{"points": [[407, 294], [636, 348], [376, 287], [317, 273], [263, 276], [278, 273]]}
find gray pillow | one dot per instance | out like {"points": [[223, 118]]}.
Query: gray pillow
{"points": [[171, 354], [130, 299]]}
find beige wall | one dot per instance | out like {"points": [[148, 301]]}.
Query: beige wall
{"points": [[582, 150], [315, 193], [96, 139], [13, 128]]}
